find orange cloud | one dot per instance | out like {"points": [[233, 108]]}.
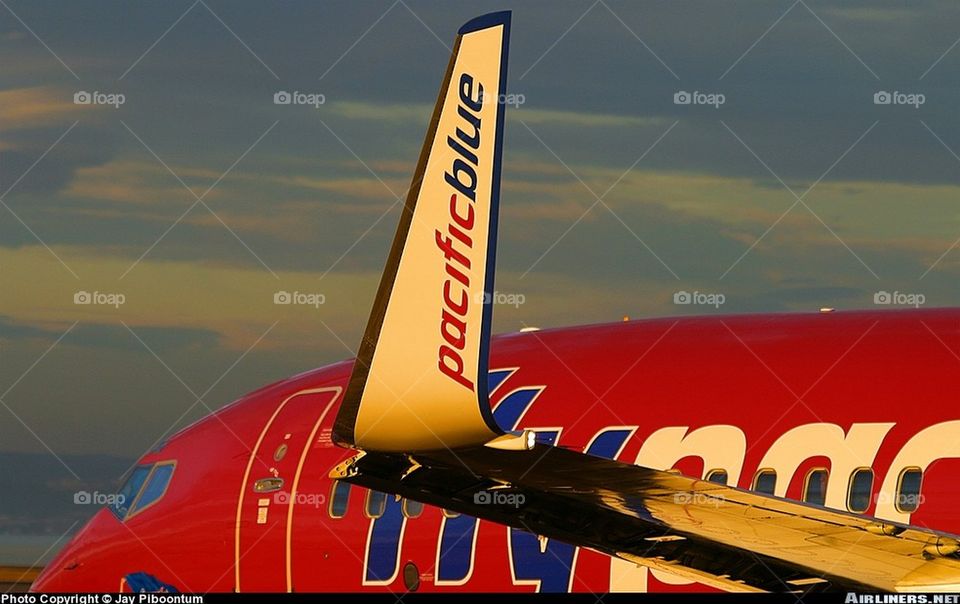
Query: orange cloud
{"points": [[22, 108], [140, 182]]}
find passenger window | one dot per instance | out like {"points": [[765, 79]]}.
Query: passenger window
{"points": [[815, 486], [717, 476], [908, 490], [339, 499], [412, 509], [861, 485], [765, 482], [155, 488], [129, 491], [376, 504]]}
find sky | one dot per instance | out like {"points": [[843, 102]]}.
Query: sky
{"points": [[815, 165]]}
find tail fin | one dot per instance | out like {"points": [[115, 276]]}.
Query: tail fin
{"points": [[420, 380]]}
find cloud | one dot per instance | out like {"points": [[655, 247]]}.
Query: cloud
{"points": [[40, 106], [132, 182], [885, 15], [280, 211], [586, 119], [388, 112], [363, 187], [11, 330], [111, 334], [404, 113], [198, 302], [286, 225]]}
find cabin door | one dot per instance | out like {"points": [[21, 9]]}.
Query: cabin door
{"points": [[269, 499]]}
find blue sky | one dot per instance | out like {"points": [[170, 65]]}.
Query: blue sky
{"points": [[198, 198]]}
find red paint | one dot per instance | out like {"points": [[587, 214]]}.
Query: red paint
{"points": [[748, 371]]}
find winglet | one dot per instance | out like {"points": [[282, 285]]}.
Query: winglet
{"points": [[420, 379]]}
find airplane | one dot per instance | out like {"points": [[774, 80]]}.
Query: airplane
{"points": [[790, 452]]}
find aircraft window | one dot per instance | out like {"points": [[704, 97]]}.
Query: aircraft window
{"points": [[815, 486], [129, 491], [412, 509], [908, 491], [765, 482], [861, 484], [339, 499], [156, 487], [376, 504], [717, 476], [450, 514]]}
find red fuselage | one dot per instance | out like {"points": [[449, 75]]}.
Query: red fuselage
{"points": [[788, 393]]}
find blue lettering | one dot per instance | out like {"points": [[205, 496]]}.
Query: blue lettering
{"points": [[552, 564]]}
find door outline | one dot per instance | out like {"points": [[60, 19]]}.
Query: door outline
{"points": [[337, 390]]}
